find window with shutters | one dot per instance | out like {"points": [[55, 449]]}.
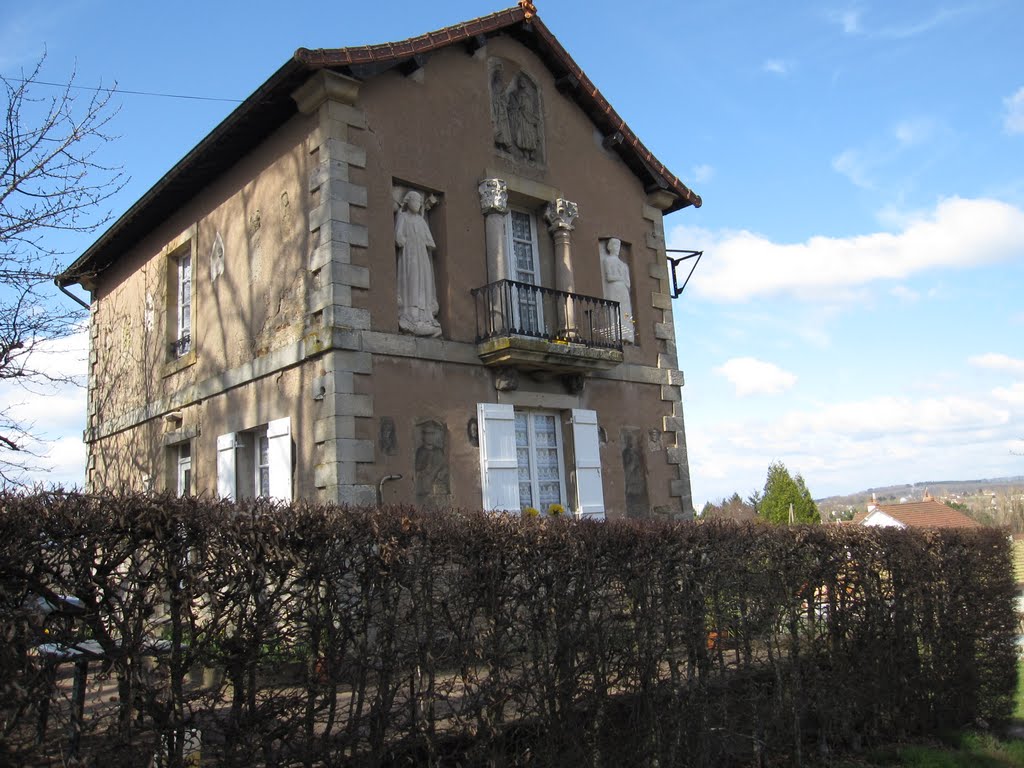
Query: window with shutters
{"points": [[256, 462], [539, 459], [523, 461]]}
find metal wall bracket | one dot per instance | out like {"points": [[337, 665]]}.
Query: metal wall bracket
{"points": [[673, 264]]}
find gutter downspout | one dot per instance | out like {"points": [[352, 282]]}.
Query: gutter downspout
{"points": [[66, 292]]}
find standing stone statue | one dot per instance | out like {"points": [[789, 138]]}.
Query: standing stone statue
{"points": [[417, 294], [616, 285]]}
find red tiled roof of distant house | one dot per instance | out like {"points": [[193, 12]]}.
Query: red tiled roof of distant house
{"points": [[928, 514]]}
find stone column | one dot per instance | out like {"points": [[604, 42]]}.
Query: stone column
{"points": [[561, 217], [494, 207]]}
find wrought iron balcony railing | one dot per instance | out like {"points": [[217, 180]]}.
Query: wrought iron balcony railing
{"points": [[182, 346], [510, 308]]}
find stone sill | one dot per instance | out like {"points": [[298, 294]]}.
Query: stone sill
{"points": [[179, 364]]}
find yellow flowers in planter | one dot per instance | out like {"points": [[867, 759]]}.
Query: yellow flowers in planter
{"points": [[554, 510]]}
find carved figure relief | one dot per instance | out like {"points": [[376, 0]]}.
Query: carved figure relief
{"points": [[433, 486], [417, 292], [217, 258], [388, 440], [617, 283], [634, 467], [517, 115]]}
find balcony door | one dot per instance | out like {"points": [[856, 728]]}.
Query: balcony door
{"points": [[527, 308]]}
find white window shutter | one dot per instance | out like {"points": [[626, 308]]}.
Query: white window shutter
{"points": [[589, 489], [499, 466], [279, 448], [226, 466]]}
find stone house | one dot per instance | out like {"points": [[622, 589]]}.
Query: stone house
{"points": [[432, 271]]}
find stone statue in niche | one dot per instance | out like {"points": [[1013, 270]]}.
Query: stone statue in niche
{"points": [[615, 272], [516, 112], [433, 487], [417, 293]]}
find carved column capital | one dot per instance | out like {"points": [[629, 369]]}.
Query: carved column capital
{"points": [[561, 215], [493, 196]]}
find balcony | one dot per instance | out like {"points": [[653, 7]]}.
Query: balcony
{"points": [[535, 328]]}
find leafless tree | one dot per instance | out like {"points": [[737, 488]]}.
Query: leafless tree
{"points": [[51, 181]]}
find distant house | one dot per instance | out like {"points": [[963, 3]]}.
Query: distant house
{"points": [[927, 513]]}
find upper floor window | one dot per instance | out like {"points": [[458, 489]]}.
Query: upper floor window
{"points": [[528, 310], [180, 259], [183, 340]]}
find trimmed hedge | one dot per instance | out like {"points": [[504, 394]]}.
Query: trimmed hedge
{"points": [[308, 635]]}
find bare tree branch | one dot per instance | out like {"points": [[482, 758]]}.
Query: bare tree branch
{"points": [[51, 180]]}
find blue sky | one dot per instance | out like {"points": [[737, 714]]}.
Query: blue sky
{"points": [[857, 313]]}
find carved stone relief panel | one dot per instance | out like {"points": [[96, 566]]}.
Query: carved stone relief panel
{"points": [[387, 442], [432, 477], [516, 112], [634, 467], [415, 246], [217, 258]]}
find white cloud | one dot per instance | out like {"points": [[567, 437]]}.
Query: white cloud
{"points": [[852, 23], [849, 20], [913, 29], [913, 131], [903, 293], [960, 233], [1013, 121], [1013, 395], [54, 413], [998, 362], [853, 164], [847, 446], [703, 173], [776, 66], [751, 376]]}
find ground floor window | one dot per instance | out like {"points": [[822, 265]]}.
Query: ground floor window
{"points": [[184, 466], [539, 459], [524, 462], [256, 462]]}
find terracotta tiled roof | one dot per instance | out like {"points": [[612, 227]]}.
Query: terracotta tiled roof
{"points": [[928, 514], [271, 105]]}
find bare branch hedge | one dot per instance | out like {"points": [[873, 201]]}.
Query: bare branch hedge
{"points": [[306, 635]]}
